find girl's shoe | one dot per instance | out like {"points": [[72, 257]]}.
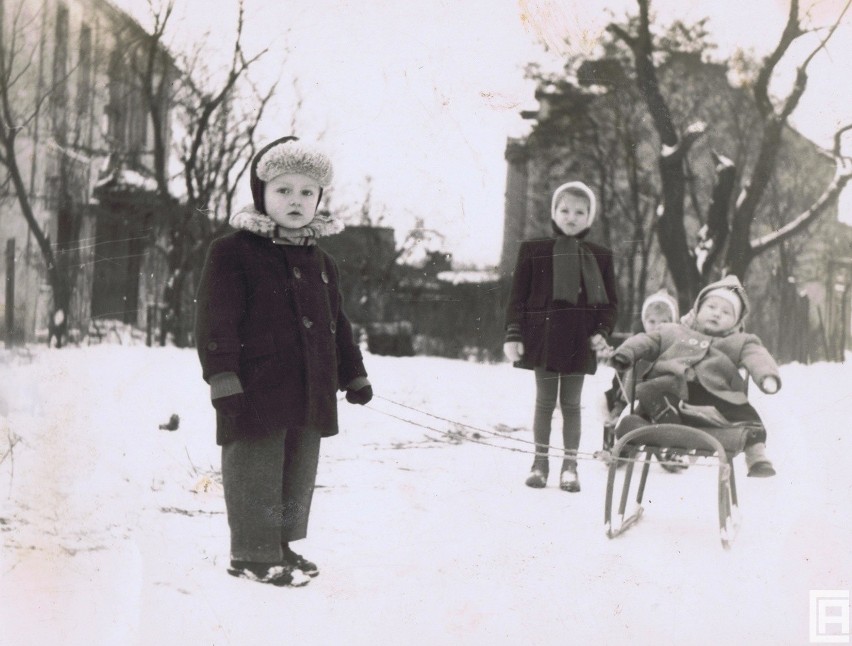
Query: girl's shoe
{"points": [[568, 480], [299, 562], [277, 574], [537, 478]]}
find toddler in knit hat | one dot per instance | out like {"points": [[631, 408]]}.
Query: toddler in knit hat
{"points": [[697, 362], [659, 308]]}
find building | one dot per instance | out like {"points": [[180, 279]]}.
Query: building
{"points": [[85, 157]]}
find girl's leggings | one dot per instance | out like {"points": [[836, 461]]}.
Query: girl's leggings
{"points": [[569, 387]]}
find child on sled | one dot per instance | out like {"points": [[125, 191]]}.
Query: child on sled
{"points": [[695, 363], [659, 308]]}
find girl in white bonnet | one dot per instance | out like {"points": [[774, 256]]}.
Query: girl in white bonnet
{"points": [[561, 309]]}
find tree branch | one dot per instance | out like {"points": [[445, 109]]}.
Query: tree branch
{"points": [[714, 234], [801, 82], [842, 175], [838, 137], [792, 30], [643, 49]]}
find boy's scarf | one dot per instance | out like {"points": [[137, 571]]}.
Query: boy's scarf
{"points": [[572, 262], [250, 219]]}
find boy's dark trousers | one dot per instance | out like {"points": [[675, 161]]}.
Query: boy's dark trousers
{"points": [[659, 401], [269, 483]]}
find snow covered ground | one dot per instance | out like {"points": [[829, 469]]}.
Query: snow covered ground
{"points": [[113, 531]]}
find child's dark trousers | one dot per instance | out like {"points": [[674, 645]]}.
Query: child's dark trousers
{"points": [[269, 483]]}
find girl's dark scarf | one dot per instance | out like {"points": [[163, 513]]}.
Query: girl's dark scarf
{"points": [[250, 219], [574, 262]]}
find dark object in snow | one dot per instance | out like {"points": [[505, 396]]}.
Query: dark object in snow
{"points": [[172, 424]]}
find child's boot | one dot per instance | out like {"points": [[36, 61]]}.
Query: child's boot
{"points": [[299, 562], [277, 574], [666, 413], [538, 474], [568, 480], [758, 464]]}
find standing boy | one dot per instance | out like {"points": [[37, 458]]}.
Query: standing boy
{"points": [[275, 346]]}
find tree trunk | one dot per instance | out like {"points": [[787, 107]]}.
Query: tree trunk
{"points": [[57, 325], [671, 232]]}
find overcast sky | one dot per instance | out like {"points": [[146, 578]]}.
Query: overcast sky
{"points": [[422, 95]]}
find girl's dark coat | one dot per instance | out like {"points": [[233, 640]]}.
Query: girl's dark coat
{"points": [[272, 314], [556, 334]]}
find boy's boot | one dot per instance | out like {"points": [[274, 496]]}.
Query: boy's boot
{"points": [[538, 474], [758, 464], [277, 574], [299, 562], [568, 480]]}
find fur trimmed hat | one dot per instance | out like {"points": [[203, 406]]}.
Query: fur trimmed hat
{"points": [[288, 155], [664, 298], [576, 188]]}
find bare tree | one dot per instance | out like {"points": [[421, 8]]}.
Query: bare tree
{"points": [[729, 225], [218, 119]]}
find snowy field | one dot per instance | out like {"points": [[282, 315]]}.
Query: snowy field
{"points": [[113, 531]]}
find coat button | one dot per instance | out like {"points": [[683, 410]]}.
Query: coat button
{"points": [[693, 341], [307, 322], [324, 276], [212, 345], [297, 272], [332, 327], [704, 344]]}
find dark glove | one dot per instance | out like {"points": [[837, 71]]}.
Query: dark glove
{"points": [[361, 396], [231, 405], [620, 363]]}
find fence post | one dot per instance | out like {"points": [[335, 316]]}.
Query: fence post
{"points": [[10, 291], [149, 324]]}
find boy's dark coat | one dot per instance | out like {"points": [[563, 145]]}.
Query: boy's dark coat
{"points": [[556, 335], [272, 314]]}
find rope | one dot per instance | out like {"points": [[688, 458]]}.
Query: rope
{"points": [[473, 428], [622, 387], [603, 456]]}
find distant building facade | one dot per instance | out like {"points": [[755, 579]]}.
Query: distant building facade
{"points": [[86, 160]]}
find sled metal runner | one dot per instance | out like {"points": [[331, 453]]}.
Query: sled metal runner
{"points": [[642, 443]]}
